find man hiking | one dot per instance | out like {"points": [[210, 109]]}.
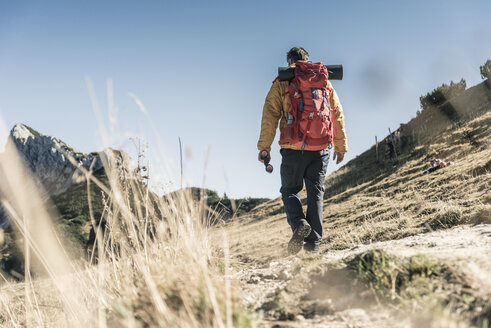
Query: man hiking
{"points": [[311, 120]]}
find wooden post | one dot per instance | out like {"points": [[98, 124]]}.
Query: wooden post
{"points": [[180, 155], [393, 143]]}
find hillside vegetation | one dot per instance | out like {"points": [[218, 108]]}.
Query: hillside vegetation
{"points": [[75, 208]]}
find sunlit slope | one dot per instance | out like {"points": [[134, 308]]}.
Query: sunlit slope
{"points": [[382, 194]]}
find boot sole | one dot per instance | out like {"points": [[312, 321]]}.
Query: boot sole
{"points": [[296, 242]]}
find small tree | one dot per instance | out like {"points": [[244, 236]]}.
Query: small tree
{"points": [[486, 70], [442, 94]]}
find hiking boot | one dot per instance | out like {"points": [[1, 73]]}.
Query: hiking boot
{"points": [[296, 242], [310, 248]]}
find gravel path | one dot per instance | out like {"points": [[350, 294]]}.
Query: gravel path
{"points": [[467, 248]]}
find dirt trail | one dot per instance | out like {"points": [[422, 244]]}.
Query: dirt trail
{"points": [[467, 248]]}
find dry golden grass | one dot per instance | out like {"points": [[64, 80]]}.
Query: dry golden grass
{"points": [[154, 264]]}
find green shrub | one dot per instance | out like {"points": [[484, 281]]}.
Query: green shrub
{"points": [[486, 70], [34, 132], [442, 94], [386, 275], [228, 207]]}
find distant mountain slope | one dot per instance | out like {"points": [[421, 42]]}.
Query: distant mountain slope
{"points": [[375, 199]]}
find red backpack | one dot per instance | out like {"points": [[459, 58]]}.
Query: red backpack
{"points": [[310, 122]]}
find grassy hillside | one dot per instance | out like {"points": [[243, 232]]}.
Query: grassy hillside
{"points": [[386, 197], [74, 221], [153, 264], [73, 207]]}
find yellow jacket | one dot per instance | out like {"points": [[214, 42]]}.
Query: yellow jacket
{"points": [[278, 105]]}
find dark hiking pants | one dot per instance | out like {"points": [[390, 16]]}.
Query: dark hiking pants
{"points": [[296, 167]]}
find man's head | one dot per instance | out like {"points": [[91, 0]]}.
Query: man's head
{"points": [[296, 53]]}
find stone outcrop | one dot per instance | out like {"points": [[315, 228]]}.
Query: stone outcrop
{"points": [[48, 159]]}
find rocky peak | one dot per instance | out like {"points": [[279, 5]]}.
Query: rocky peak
{"points": [[23, 132], [48, 158]]}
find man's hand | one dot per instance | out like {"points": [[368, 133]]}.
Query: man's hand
{"points": [[260, 158], [338, 157]]}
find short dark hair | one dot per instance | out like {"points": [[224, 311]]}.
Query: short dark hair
{"points": [[297, 53]]}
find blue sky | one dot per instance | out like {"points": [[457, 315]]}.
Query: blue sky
{"points": [[203, 69]]}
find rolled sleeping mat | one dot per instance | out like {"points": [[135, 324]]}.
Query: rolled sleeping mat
{"points": [[288, 73]]}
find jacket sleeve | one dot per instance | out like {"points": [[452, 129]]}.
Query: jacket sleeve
{"points": [[340, 140], [271, 115]]}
